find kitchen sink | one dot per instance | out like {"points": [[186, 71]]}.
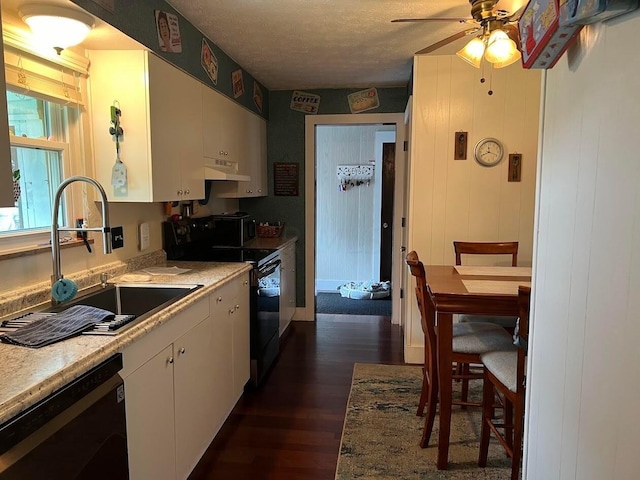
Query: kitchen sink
{"points": [[131, 303]]}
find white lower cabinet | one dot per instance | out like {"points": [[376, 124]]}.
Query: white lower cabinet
{"points": [[195, 393], [149, 406], [183, 379], [241, 341]]}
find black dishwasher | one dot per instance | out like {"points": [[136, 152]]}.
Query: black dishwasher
{"points": [[76, 433]]}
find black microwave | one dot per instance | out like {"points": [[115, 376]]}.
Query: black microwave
{"points": [[233, 229]]}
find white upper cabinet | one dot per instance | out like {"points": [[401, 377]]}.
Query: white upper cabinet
{"points": [[222, 126], [252, 159], [6, 175], [162, 121]]}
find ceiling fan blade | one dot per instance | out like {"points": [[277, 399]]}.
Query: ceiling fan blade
{"points": [[432, 19], [447, 41]]}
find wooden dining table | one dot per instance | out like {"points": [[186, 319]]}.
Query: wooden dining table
{"points": [[466, 290]]}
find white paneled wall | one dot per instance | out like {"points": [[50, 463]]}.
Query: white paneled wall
{"points": [[460, 199], [347, 224], [584, 382]]}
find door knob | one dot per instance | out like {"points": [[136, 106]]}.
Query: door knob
{"points": [[170, 360], [385, 225], [183, 350]]}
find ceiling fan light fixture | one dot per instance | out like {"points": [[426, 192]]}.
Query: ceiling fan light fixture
{"points": [[57, 26], [514, 58], [472, 52], [501, 49]]}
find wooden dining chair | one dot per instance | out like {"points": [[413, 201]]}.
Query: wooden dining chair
{"points": [[469, 341], [505, 373], [488, 248]]}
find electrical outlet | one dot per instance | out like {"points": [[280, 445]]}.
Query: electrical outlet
{"points": [[117, 237], [144, 236]]}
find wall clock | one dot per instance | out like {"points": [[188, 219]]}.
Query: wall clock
{"points": [[488, 152]]}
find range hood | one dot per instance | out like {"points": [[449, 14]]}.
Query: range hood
{"points": [[215, 169]]}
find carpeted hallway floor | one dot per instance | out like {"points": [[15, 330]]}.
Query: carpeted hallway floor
{"points": [[335, 304]]}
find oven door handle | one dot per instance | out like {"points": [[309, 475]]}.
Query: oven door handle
{"points": [[268, 268]]}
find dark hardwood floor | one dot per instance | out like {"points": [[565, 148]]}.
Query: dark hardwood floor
{"points": [[291, 427]]}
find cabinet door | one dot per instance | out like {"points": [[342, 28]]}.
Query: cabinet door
{"points": [[256, 159], [150, 427], [241, 340], [195, 389], [287, 286], [176, 133], [221, 123], [253, 161], [191, 132], [106, 87], [223, 314], [211, 123]]}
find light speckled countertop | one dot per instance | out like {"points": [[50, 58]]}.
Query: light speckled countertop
{"points": [[29, 375]]}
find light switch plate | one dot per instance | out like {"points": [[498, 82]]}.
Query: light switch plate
{"points": [[144, 236]]}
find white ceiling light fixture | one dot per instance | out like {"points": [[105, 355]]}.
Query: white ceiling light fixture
{"points": [[57, 26], [497, 48]]}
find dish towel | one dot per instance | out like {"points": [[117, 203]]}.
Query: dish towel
{"points": [[54, 328]]}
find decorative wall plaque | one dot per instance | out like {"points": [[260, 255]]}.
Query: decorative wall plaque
{"points": [[286, 179]]}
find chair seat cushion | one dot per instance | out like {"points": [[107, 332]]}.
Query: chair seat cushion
{"points": [[477, 338], [503, 365], [505, 322]]}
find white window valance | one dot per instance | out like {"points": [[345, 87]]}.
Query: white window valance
{"points": [[56, 77]]}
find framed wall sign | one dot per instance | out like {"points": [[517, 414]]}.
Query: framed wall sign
{"points": [[286, 179]]}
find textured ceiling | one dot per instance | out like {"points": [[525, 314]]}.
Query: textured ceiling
{"points": [[305, 44]]}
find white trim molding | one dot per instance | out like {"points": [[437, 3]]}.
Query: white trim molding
{"points": [[311, 121]]}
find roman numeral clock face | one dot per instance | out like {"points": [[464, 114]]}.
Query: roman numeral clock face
{"points": [[488, 152]]}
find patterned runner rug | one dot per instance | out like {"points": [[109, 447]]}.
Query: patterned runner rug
{"points": [[381, 431]]}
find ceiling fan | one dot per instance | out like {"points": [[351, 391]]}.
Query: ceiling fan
{"points": [[497, 40]]}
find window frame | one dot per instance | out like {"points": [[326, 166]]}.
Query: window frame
{"points": [[18, 239]]}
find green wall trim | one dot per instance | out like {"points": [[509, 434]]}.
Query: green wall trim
{"points": [[137, 20]]}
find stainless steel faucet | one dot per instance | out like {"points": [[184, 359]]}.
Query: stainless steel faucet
{"points": [[105, 229]]}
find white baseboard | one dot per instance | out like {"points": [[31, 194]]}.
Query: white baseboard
{"points": [[414, 354], [302, 315]]}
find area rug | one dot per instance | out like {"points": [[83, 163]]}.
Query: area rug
{"points": [[381, 431], [335, 304]]}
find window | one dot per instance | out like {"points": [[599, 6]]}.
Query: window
{"points": [[38, 156]]}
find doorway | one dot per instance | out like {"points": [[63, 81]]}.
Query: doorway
{"points": [[354, 218], [394, 123]]}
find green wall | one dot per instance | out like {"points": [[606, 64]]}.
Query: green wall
{"points": [[285, 143], [137, 20]]}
